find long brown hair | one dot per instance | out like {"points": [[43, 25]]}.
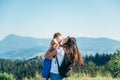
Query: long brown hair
{"points": [[72, 52]]}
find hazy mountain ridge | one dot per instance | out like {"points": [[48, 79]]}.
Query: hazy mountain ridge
{"points": [[24, 53], [13, 42], [14, 46]]}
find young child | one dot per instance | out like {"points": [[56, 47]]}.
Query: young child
{"points": [[54, 44], [47, 62]]}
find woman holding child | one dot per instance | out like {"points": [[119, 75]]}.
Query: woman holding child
{"points": [[58, 49]]}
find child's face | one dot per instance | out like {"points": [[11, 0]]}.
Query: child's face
{"points": [[57, 41], [55, 45]]}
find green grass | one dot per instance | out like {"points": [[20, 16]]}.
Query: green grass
{"points": [[6, 76], [84, 77], [78, 76]]}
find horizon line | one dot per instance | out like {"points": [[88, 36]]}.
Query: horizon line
{"points": [[51, 38]]}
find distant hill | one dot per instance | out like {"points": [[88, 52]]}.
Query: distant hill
{"points": [[24, 53], [19, 47], [101, 45], [14, 42]]}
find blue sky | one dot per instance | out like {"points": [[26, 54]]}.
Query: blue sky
{"points": [[42, 18]]}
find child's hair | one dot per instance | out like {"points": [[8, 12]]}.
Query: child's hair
{"points": [[57, 34]]}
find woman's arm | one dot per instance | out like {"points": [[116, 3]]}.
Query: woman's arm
{"points": [[50, 54]]}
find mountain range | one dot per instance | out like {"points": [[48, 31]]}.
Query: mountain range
{"points": [[21, 47]]}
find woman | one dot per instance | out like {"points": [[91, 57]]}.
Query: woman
{"points": [[69, 47]]}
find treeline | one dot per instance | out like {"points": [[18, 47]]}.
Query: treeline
{"points": [[21, 68], [98, 59], [102, 65], [99, 64]]}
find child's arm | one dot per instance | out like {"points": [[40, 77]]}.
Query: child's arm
{"points": [[50, 55], [49, 50], [51, 47]]}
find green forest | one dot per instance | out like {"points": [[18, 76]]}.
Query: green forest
{"points": [[104, 65]]}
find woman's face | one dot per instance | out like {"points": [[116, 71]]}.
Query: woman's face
{"points": [[65, 40]]}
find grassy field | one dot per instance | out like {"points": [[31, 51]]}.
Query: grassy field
{"points": [[78, 77], [89, 78]]}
